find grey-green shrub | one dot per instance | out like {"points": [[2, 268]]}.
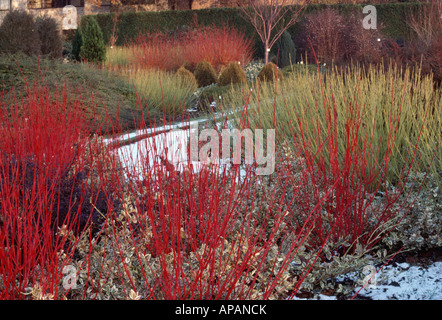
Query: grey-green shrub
{"points": [[187, 76], [50, 37], [205, 74], [270, 72], [233, 73], [18, 34], [285, 50]]}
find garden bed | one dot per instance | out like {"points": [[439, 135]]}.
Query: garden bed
{"points": [[111, 186]]}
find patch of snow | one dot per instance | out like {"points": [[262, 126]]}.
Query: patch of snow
{"points": [[396, 282], [170, 146], [405, 282], [136, 133]]}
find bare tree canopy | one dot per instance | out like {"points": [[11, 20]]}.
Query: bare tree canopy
{"points": [[270, 20]]}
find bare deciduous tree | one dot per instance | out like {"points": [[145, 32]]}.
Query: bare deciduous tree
{"points": [[427, 22], [270, 19]]}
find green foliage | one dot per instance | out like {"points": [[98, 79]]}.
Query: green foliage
{"points": [[118, 57], [216, 93], [18, 33], [269, 72], [233, 73], [187, 76], [163, 91], [394, 18], [302, 68], [382, 94], [285, 50], [93, 48], [205, 74], [391, 15], [107, 90], [130, 24], [77, 43], [50, 37]]}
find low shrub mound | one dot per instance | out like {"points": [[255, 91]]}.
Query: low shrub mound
{"points": [[270, 72], [50, 38], [187, 76], [189, 66], [233, 73], [18, 34], [205, 74], [105, 94]]}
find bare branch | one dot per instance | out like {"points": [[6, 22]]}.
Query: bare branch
{"points": [[266, 16]]}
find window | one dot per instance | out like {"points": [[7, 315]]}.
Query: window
{"points": [[5, 5], [46, 4]]}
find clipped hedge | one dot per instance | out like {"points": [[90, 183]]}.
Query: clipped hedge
{"points": [[232, 73], [391, 15], [131, 23], [270, 72], [204, 74]]}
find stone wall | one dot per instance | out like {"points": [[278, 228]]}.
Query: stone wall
{"points": [[157, 5], [160, 5], [56, 13], [204, 4]]}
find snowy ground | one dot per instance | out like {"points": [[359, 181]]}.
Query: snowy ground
{"points": [[170, 143], [405, 282], [398, 282]]}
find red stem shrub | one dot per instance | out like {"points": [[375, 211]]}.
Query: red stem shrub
{"points": [[338, 38], [47, 191], [217, 45], [347, 174], [212, 232]]}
